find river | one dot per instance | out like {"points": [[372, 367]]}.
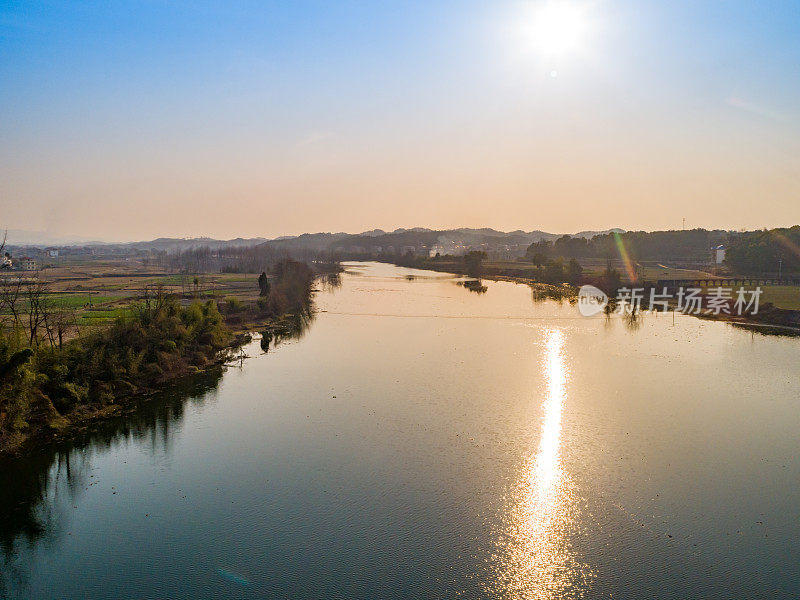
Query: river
{"points": [[422, 440]]}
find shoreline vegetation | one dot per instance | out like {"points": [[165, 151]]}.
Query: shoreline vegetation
{"points": [[50, 386], [55, 374], [769, 318]]}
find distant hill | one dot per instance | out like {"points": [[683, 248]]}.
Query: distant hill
{"points": [[307, 241], [590, 234], [455, 241], [22, 237], [173, 244]]}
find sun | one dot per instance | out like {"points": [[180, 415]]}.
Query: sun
{"points": [[558, 27]]}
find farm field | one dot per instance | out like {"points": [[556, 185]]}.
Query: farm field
{"points": [[99, 291], [782, 296]]}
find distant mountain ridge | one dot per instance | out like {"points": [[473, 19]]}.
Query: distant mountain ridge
{"points": [[421, 239], [446, 239], [22, 237]]}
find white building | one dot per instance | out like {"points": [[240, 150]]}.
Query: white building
{"points": [[719, 254]]}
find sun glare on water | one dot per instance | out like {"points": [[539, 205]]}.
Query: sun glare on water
{"points": [[534, 558]]}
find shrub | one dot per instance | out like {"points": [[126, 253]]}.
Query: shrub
{"points": [[233, 305], [160, 338]]}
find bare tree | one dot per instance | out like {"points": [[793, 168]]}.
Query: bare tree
{"points": [[37, 300], [154, 297], [58, 320], [10, 296]]}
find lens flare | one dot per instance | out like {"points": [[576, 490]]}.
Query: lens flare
{"points": [[626, 259], [786, 242]]}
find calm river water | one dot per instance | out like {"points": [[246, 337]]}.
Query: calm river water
{"points": [[421, 440]]}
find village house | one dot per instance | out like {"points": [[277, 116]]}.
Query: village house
{"points": [[26, 263]]}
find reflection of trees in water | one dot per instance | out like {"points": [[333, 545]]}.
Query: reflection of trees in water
{"points": [[608, 311], [331, 281], [34, 486], [542, 292], [633, 319], [474, 285], [291, 327]]}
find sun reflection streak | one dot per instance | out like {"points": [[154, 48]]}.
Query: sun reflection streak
{"points": [[535, 560]]}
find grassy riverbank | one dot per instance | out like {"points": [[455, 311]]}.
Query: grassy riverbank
{"points": [[45, 388]]}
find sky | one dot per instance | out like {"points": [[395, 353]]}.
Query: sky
{"points": [[134, 120]]}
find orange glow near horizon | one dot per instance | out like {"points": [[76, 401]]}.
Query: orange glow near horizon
{"points": [[258, 121]]}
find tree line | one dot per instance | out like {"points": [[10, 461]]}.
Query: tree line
{"points": [[768, 251], [679, 246], [241, 259]]}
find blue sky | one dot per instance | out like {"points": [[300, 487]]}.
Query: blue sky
{"points": [[127, 120]]}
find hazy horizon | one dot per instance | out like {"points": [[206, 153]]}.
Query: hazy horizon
{"points": [[43, 238], [130, 121], [20, 237]]}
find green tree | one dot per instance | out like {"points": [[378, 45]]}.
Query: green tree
{"points": [[263, 284], [538, 259], [554, 271], [574, 272], [473, 261], [610, 280]]}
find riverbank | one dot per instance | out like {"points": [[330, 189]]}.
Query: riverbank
{"points": [[51, 427], [48, 390], [768, 316], [44, 423]]}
